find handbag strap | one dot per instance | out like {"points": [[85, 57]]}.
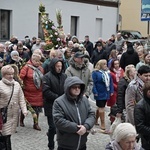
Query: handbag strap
{"points": [[11, 95]]}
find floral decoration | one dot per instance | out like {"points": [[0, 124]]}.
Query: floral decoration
{"points": [[51, 34]]}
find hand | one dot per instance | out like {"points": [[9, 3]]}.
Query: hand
{"points": [[118, 115], [112, 94], [82, 130], [25, 114], [86, 96]]}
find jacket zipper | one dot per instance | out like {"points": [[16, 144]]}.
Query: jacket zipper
{"points": [[79, 117]]}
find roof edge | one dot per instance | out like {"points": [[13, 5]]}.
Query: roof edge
{"points": [[97, 2]]}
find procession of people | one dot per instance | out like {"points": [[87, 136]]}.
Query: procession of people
{"points": [[61, 81]]}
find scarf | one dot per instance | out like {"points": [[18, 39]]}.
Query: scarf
{"points": [[106, 78], [117, 73], [37, 76], [8, 82], [140, 85]]}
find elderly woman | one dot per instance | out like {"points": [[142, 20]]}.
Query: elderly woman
{"points": [[124, 138], [32, 74], [11, 90]]}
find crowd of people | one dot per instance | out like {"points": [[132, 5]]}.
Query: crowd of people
{"points": [[61, 81]]}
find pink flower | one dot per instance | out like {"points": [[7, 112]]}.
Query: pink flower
{"points": [[58, 39]]}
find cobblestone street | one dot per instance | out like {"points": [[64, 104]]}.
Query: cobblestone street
{"points": [[27, 138]]}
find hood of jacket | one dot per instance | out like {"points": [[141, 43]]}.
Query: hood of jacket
{"points": [[70, 81], [130, 50], [52, 65]]}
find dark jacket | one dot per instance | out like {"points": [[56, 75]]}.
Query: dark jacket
{"points": [[99, 87], [25, 56], [128, 58], [96, 56], [53, 86], [109, 47], [89, 47], [122, 86], [142, 121], [68, 113]]}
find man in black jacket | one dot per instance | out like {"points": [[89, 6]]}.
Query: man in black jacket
{"points": [[73, 116], [98, 54], [88, 45], [53, 87]]}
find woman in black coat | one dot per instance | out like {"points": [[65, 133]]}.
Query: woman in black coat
{"points": [[130, 73], [142, 117], [129, 57]]}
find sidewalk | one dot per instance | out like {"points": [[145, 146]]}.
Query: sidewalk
{"points": [[27, 138]]}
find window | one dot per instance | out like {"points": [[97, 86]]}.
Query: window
{"points": [[74, 25], [99, 27], [4, 24]]}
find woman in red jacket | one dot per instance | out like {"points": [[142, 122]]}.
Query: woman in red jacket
{"points": [[32, 74], [116, 72]]}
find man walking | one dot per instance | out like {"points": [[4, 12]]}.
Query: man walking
{"points": [[53, 87], [134, 91], [78, 67], [73, 116]]}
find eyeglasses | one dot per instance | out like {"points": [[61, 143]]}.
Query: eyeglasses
{"points": [[76, 87]]}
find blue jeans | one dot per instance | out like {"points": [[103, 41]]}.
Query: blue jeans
{"points": [[51, 132]]}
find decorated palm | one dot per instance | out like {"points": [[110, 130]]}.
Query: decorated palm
{"points": [[51, 34]]}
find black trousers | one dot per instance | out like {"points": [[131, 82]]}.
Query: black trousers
{"points": [[5, 142], [51, 132]]}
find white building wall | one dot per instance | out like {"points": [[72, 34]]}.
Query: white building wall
{"points": [[25, 17]]}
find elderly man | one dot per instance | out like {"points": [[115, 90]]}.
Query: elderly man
{"points": [[73, 116], [119, 41], [88, 45], [78, 67], [53, 87]]}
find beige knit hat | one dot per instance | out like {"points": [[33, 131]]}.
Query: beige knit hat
{"points": [[123, 131]]}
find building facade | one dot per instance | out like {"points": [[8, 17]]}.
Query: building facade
{"points": [[95, 18], [130, 11]]}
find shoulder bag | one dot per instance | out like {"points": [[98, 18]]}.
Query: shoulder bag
{"points": [[3, 110]]}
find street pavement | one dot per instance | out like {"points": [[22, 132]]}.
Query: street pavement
{"points": [[27, 138]]}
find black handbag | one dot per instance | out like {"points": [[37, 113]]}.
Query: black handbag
{"points": [[2, 142], [4, 109]]}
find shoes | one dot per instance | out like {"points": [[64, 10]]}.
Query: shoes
{"points": [[36, 127]]}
